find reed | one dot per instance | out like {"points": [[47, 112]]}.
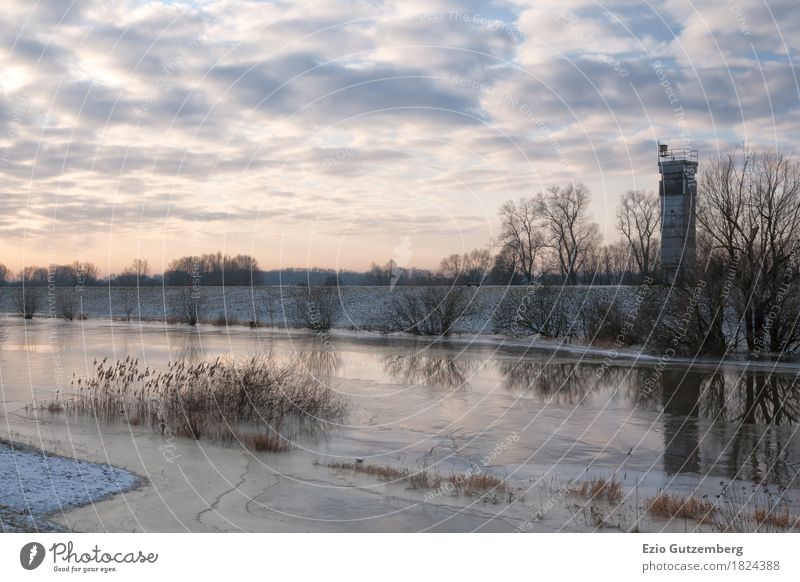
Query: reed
{"points": [[597, 489], [671, 506], [777, 518], [258, 400]]}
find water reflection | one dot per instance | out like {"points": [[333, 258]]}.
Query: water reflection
{"points": [[558, 383], [727, 424], [743, 434], [680, 392], [320, 363], [189, 348], [738, 398], [435, 371], [758, 398]]}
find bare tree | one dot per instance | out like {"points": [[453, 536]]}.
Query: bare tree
{"points": [[66, 304], [27, 300], [5, 274], [638, 221], [28, 295], [570, 234], [140, 268], [478, 264], [521, 233], [503, 271], [452, 267], [749, 209], [188, 305], [470, 267], [128, 299], [607, 264]]}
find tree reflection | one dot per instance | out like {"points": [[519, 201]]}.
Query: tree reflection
{"points": [[742, 437], [751, 399], [562, 383], [435, 371], [325, 363], [743, 398], [726, 424], [191, 349], [680, 391]]}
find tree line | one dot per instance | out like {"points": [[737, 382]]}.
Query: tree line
{"points": [[548, 238]]}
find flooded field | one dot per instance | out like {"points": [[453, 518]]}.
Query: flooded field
{"points": [[537, 422]]}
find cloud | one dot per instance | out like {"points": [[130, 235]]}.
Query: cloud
{"points": [[305, 117]]}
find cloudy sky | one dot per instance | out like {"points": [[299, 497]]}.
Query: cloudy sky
{"points": [[333, 133]]}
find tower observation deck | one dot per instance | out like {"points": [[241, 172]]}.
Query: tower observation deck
{"points": [[678, 193]]}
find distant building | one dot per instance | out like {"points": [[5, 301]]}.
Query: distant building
{"points": [[678, 193]]}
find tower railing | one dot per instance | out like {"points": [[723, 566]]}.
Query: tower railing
{"points": [[676, 155]]}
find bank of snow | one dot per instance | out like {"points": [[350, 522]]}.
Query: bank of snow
{"points": [[365, 308], [35, 485]]}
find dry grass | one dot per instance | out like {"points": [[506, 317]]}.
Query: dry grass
{"points": [[598, 489], [754, 508], [475, 485], [468, 484], [263, 442], [671, 506], [248, 400], [780, 519]]}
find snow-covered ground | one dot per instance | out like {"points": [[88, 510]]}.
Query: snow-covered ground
{"points": [[36, 486], [362, 307]]}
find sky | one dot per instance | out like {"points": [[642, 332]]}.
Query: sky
{"points": [[340, 133]]}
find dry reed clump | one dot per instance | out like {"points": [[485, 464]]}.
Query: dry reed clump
{"points": [[780, 519], [597, 489], [671, 506], [257, 400], [264, 443], [757, 508], [475, 485], [468, 484]]}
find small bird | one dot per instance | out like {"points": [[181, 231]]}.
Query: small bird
{"points": [[359, 460]]}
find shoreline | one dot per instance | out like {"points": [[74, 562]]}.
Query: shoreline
{"points": [[591, 354]]}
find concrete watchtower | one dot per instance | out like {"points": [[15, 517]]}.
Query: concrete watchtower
{"points": [[678, 192]]}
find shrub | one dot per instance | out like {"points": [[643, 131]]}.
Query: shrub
{"points": [[27, 300], [691, 322], [541, 310], [128, 301], [188, 305], [65, 304], [429, 310], [604, 322], [318, 308]]}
